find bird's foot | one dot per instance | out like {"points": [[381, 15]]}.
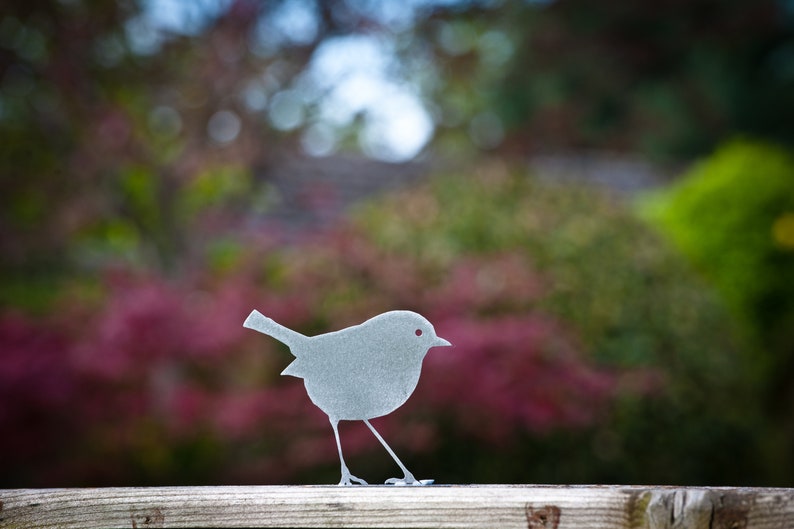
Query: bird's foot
{"points": [[409, 480], [348, 479]]}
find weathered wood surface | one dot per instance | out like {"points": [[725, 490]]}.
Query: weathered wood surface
{"points": [[489, 506]]}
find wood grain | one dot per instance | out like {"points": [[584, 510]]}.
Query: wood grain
{"points": [[476, 506]]}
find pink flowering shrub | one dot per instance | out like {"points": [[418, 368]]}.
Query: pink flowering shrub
{"points": [[157, 367], [511, 374], [37, 384]]}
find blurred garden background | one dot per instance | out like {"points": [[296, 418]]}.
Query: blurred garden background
{"points": [[594, 201]]}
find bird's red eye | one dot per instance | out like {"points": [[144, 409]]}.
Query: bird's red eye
{"points": [[418, 332]]}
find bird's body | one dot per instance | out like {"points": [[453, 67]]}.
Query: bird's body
{"points": [[361, 372]]}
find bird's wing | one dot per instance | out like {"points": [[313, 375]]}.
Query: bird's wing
{"points": [[324, 355]]}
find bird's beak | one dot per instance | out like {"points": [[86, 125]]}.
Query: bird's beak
{"points": [[440, 342]]}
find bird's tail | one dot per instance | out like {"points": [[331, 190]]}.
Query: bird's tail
{"points": [[258, 322]]}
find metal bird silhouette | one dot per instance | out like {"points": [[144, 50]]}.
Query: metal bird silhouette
{"points": [[359, 373]]}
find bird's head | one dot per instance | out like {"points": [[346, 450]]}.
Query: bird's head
{"points": [[415, 329]]}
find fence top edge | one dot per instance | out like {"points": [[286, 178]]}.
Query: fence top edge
{"points": [[445, 487]]}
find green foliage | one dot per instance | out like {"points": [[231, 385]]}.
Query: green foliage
{"points": [[668, 80], [731, 216], [214, 187], [140, 190]]}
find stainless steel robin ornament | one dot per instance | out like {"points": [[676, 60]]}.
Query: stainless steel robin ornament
{"points": [[359, 373]]}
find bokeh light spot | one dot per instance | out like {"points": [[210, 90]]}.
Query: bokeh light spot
{"points": [[142, 36], [286, 111], [254, 96], [320, 139], [224, 126], [165, 122]]}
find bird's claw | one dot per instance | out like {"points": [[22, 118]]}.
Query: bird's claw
{"points": [[409, 481], [348, 480]]}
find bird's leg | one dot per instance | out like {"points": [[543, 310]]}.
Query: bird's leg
{"points": [[347, 477], [409, 478]]}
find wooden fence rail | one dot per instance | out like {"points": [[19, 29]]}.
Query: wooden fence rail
{"points": [[475, 506]]}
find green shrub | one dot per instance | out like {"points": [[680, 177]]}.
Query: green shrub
{"points": [[732, 215]]}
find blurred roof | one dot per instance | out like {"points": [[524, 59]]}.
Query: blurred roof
{"points": [[311, 194], [619, 173]]}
